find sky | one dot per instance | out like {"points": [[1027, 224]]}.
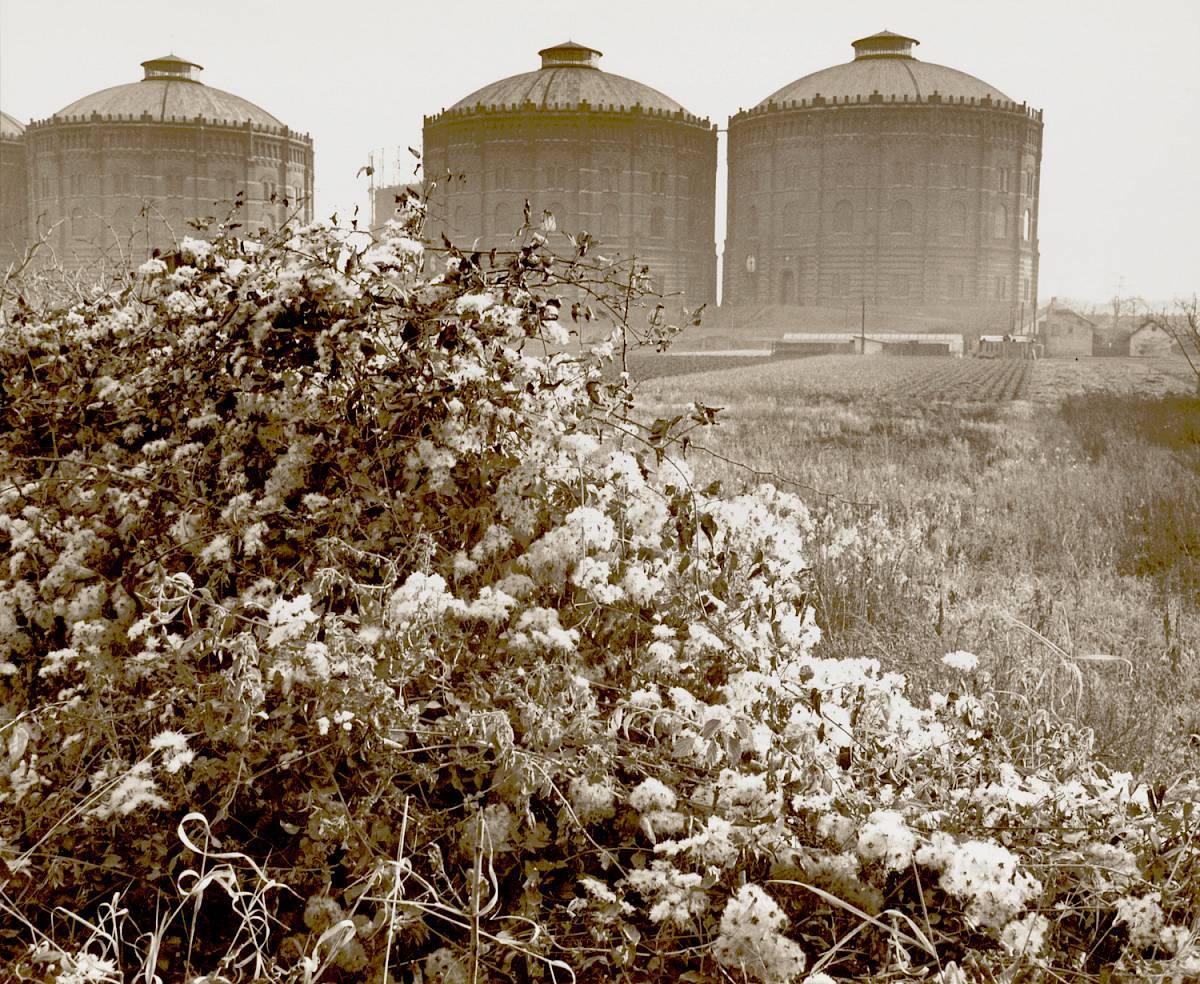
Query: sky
{"points": [[1119, 84]]}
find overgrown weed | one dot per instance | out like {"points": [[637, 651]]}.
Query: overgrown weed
{"points": [[1081, 524]]}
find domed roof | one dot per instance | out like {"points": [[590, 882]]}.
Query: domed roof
{"points": [[884, 64], [171, 87], [10, 127], [570, 75]]}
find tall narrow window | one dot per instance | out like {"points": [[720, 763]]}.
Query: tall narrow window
{"points": [[1001, 222], [610, 221], [843, 217], [505, 220], [1027, 226], [658, 222], [958, 219], [791, 219]]}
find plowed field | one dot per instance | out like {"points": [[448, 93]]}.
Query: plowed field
{"points": [[911, 379]]}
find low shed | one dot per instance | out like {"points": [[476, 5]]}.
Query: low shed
{"points": [[1152, 340]]}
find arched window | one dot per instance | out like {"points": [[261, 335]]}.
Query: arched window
{"points": [[658, 222], [78, 223], [1001, 221], [1027, 226], [751, 223], [505, 220], [958, 219], [787, 287], [843, 217], [610, 221], [901, 216], [791, 219]]}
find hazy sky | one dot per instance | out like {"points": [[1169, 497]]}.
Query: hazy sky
{"points": [[1119, 83]]}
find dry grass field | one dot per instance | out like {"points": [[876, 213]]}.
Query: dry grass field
{"points": [[1043, 515]]}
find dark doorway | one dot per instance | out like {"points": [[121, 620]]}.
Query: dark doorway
{"points": [[787, 287]]}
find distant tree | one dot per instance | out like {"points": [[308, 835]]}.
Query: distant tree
{"points": [[1182, 322]]}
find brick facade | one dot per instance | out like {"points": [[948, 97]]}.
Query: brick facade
{"points": [[912, 201], [14, 207], [110, 187], [638, 175]]}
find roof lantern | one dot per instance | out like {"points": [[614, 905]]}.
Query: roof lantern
{"points": [[570, 55], [885, 44], [173, 68]]}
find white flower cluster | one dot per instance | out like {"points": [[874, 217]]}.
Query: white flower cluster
{"points": [[1025, 936], [751, 939], [988, 877], [675, 896], [1142, 917], [592, 802], [885, 838], [961, 660], [656, 801]]}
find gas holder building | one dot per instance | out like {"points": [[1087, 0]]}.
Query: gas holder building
{"points": [[118, 173], [603, 153], [888, 188]]}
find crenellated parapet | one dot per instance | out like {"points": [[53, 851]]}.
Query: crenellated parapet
{"points": [[583, 107], [877, 98]]}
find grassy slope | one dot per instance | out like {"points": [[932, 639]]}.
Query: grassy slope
{"points": [[1057, 541]]}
